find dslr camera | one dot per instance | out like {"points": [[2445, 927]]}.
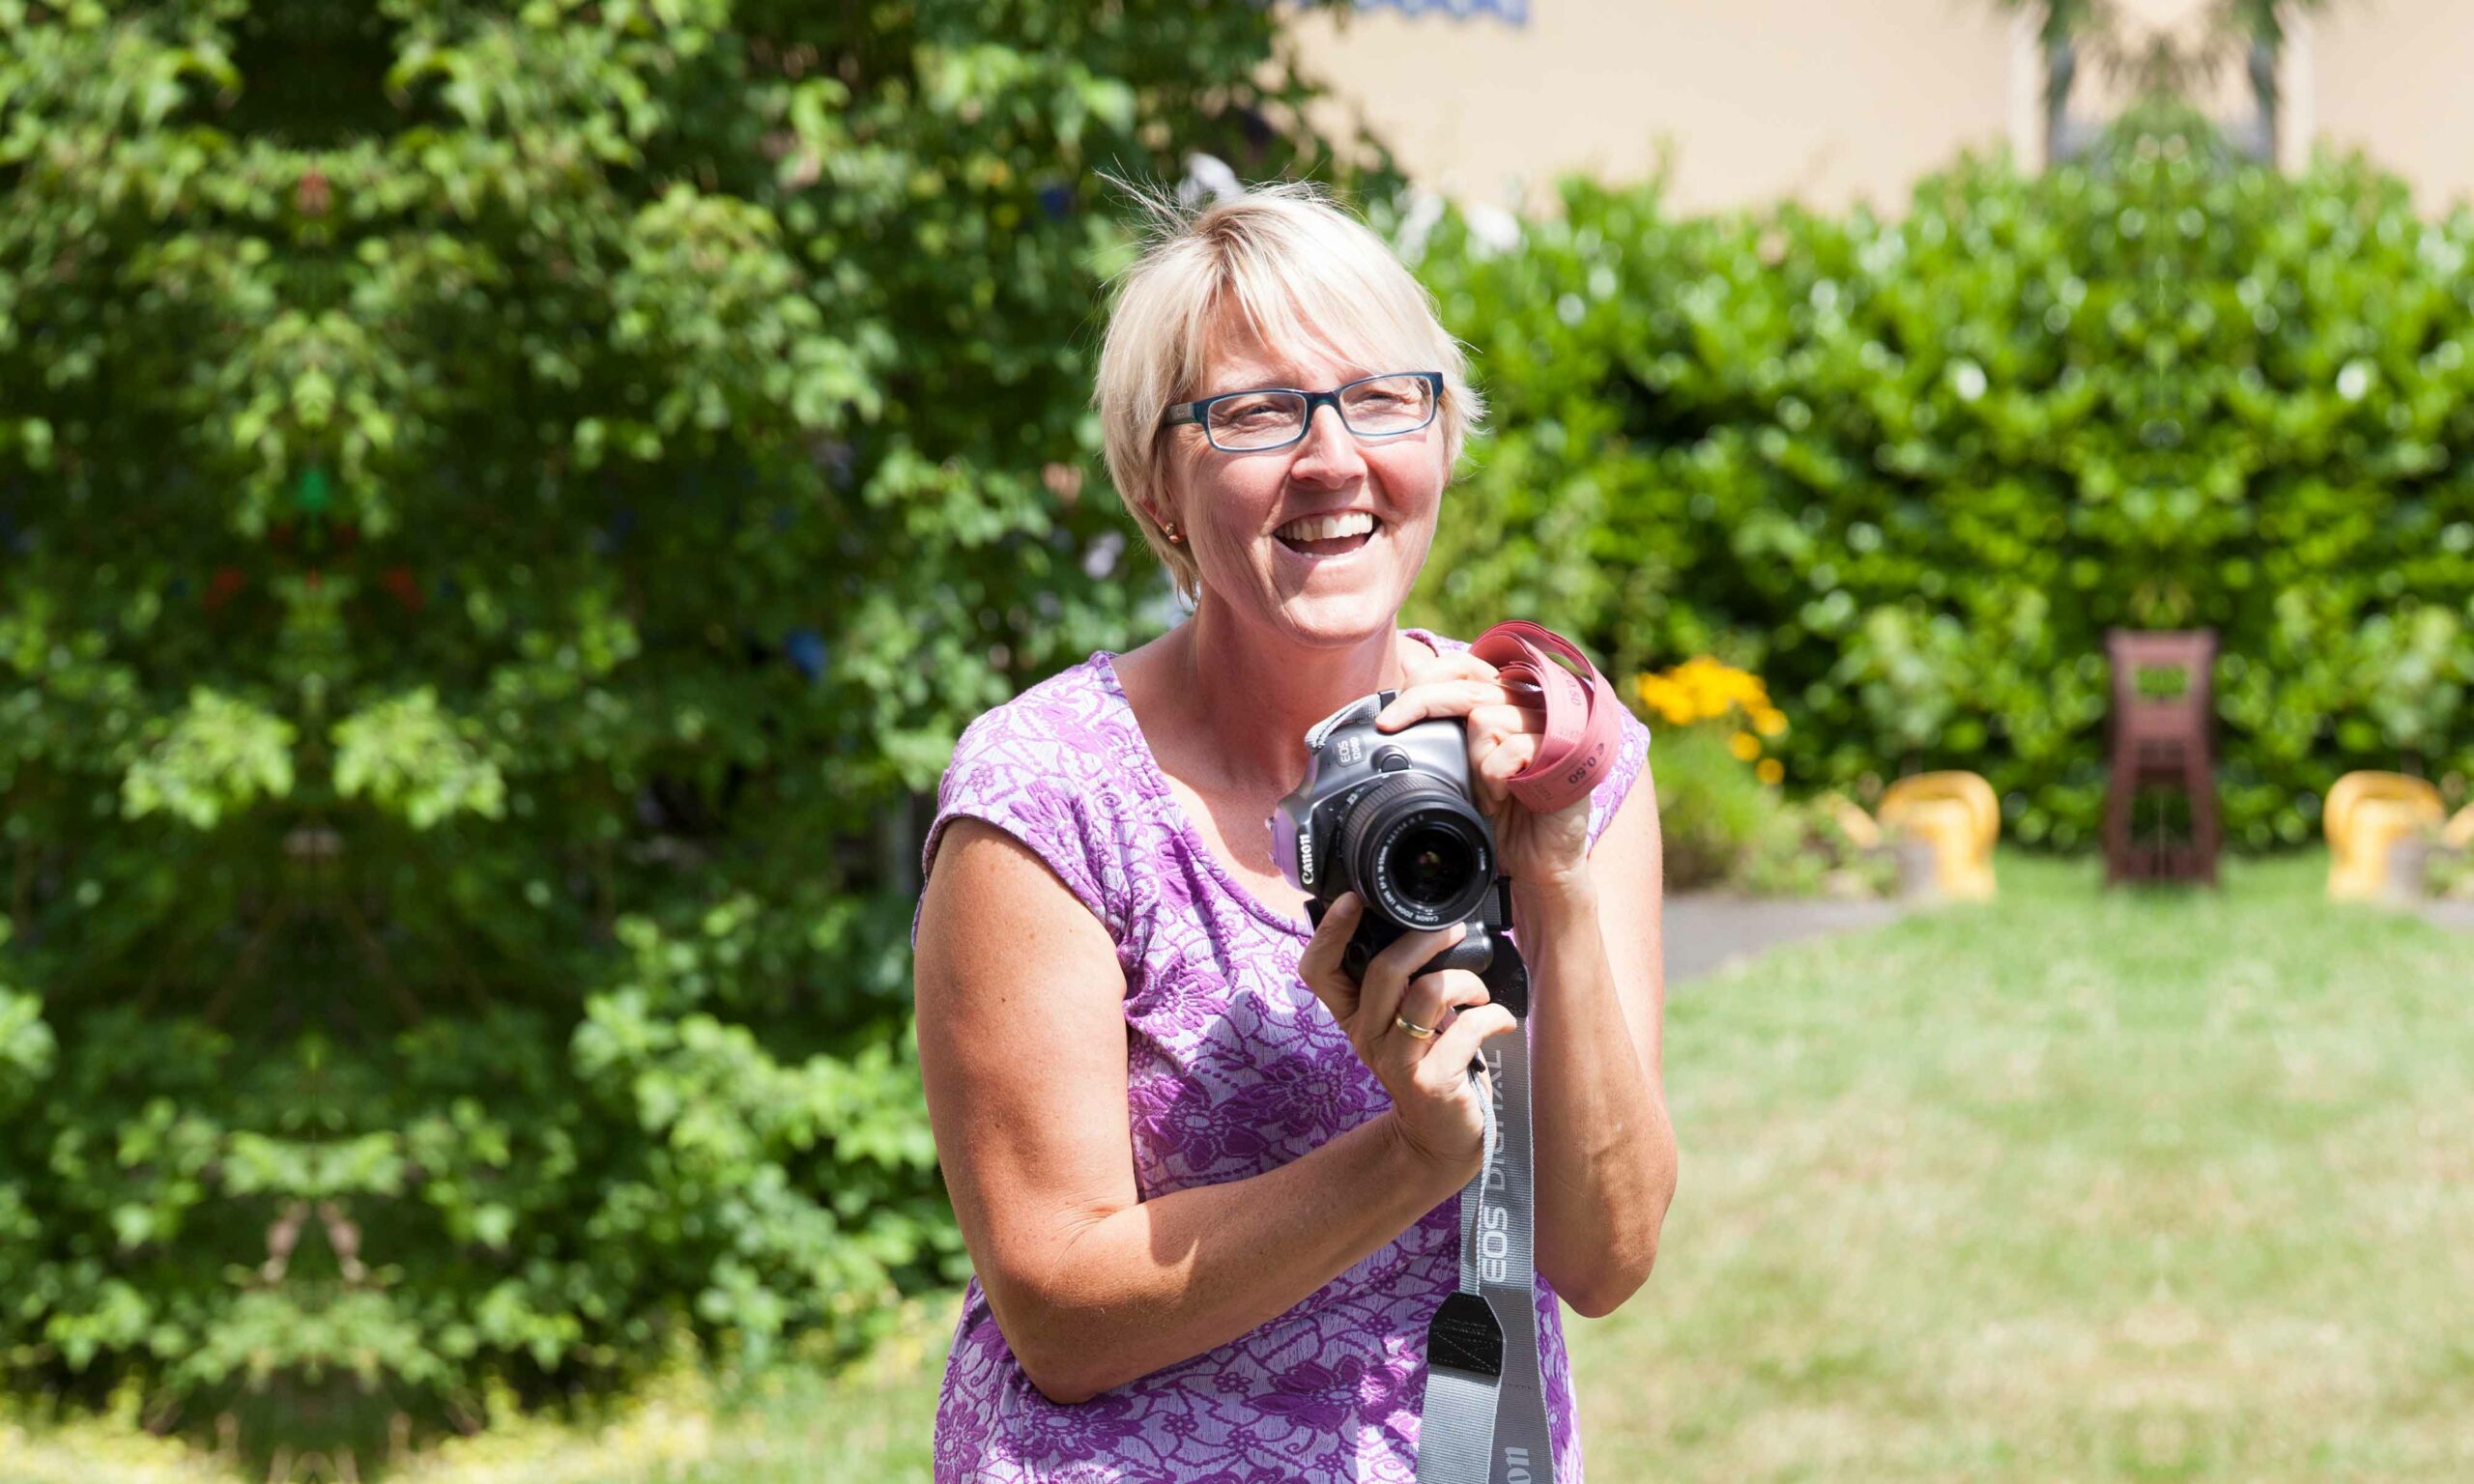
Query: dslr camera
{"points": [[1391, 815]]}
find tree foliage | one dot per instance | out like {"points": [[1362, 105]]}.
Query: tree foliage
{"points": [[501, 506]]}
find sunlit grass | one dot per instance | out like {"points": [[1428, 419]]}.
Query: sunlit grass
{"points": [[2145, 1186]]}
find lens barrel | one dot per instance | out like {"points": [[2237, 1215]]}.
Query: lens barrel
{"points": [[1416, 850]]}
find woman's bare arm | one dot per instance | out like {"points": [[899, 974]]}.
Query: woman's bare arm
{"points": [[1021, 1047], [1606, 1162]]}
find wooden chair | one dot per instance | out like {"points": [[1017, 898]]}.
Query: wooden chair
{"points": [[2162, 740]]}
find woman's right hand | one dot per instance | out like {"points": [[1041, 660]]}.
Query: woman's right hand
{"points": [[1439, 1106]]}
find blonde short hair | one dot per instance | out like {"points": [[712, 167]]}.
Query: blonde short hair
{"points": [[1295, 266]]}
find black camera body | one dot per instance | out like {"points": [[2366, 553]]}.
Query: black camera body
{"points": [[1391, 817]]}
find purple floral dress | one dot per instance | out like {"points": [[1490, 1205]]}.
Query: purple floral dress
{"points": [[1233, 1068]]}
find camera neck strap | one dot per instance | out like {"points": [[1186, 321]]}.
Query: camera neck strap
{"points": [[1584, 717], [1484, 1421]]}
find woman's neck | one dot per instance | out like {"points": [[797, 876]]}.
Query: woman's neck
{"points": [[1254, 693]]}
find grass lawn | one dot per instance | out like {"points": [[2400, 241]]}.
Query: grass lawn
{"points": [[2153, 1187], [2074, 1186]]}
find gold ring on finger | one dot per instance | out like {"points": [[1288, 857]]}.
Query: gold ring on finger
{"points": [[1420, 1031]]}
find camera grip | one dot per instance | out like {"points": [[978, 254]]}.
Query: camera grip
{"points": [[1506, 974], [1475, 952]]}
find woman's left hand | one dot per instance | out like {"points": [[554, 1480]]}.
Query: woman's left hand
{"points": [[1507, 725]]}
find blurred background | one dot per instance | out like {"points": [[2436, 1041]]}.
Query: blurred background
{"points": [[1745, 104], [504, 509]]}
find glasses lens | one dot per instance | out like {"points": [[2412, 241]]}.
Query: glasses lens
{"points": [[1258, 419], [1389, 403]]}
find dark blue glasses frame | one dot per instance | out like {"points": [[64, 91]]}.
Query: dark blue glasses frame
{"points": [[1199, 410]]}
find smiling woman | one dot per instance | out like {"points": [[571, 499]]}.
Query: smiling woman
{"points": [[1210, 1199], [1205, 315]]}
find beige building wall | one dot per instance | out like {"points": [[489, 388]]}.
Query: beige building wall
{"points": [[1824, 100], [2396, 79], [1834, 101]]}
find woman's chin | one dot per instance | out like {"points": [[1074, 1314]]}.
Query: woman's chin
{"points": [[1332, 603], [1338, 618]]}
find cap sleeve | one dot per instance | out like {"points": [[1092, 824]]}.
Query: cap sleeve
{"points": [[1631, 752], [1018, 777]]}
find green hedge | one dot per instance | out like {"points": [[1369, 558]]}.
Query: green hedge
{"points": [[502, 509], [1911, 469]]}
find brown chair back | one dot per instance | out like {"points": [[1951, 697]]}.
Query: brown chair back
{"points": [[2161, 740]]}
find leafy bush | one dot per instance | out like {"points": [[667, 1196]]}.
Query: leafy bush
{"points": [[502, 509], [1711, 807], [1911, 469], [2449, 874], [1721, 818], [1723, 826], [1805, 852]]}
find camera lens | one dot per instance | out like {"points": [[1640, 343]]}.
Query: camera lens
{"points": [[1431, 864], [1418, 850]]}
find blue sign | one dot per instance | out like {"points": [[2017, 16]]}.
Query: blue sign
{"points": [[1515, 10]]}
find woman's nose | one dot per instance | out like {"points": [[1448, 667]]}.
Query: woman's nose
{"points": [[1328, 448]]}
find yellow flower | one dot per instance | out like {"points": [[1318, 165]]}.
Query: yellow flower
{"points": [[1771, 770], [1744, 745], [1704, 689], [1668, 699]]}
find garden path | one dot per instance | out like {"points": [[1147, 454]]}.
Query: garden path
{"points": [[1705, 930]]}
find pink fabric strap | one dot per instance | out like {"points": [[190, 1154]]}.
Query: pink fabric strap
{"points": [[1584, 718]]}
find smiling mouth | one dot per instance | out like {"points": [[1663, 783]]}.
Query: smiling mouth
{"points": [[1335, 546]]}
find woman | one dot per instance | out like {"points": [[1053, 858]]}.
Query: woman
{"points": [[1209, 1184]]}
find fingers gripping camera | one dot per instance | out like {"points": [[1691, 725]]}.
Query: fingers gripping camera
{"points": [[1391, 817]]}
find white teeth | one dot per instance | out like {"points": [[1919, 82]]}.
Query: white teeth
{"points": [[1323, 527]]}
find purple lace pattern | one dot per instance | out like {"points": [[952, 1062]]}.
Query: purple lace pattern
{"points": [[1233, 1068]]}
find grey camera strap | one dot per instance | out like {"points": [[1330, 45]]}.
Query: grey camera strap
{"points": [[1484, 1421]]}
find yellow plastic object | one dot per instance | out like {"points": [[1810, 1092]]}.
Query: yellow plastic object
{"points": [[2369, 813], [1957, 815]]}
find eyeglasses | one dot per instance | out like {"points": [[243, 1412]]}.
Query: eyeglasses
{"points": [[1267, 417]]}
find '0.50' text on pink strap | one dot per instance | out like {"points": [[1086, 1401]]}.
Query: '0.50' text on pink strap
{"points": [[1584, 718]]}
